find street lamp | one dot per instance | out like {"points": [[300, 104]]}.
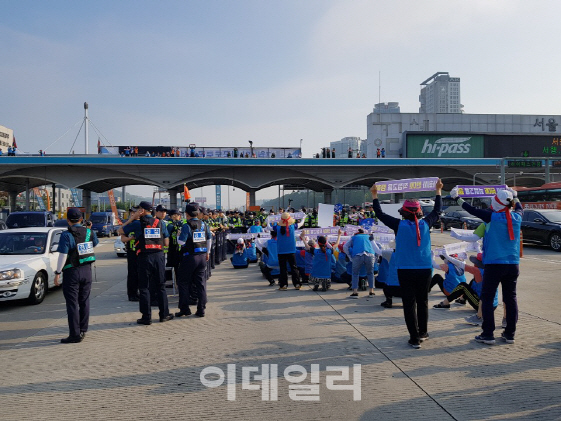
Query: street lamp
{"points": [[301, 154]]}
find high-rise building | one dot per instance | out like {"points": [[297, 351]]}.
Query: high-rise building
{"points": [[356, 144], [440, 94]]}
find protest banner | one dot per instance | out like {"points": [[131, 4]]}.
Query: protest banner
{"points": [[407, 185], [276, 218], [479, 191]]}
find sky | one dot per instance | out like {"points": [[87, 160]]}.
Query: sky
{"points": [[220, 73]]}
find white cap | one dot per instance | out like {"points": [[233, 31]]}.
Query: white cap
{"points": [[502, 199], [240, 240]]}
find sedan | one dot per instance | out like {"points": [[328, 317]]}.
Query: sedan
{"points": [[459, 219], [28, 259], [542, 227], [120, 247]]}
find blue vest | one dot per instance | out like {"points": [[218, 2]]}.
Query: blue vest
{"points": [[452, 279], [286, 243], [240, 259], [361, 244], [383, 271], [409, 254], [478, 286], [300, 259], [308, 261], [499, 248], [273, 259], [255, 228], [251, 252], [392, 280], [321, 266]]}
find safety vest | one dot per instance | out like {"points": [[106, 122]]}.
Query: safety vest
{"points": [[83, 253], [131, 244], [152, 238], [196, 243]]}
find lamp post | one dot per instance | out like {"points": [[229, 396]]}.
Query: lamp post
{"points": [[301, 154], [251, 147]]}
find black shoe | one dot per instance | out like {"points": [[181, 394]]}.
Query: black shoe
{"points": [[71, 340], [271, 283], [199, 314], [183, 313], [82, 335], [144, 321], [423, 337], [167, 318], [387, 304], [316, 287], [134, 298], [414, 344]]}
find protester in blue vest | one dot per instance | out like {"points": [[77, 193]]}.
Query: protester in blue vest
{"points": [[362, 254], [286, 249], [453, 276], [251, 251], [271, 259], [501, 256], [391, 286], [239, 259], [413, 259]]}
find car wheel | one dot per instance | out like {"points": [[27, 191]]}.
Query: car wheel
{"points": [[38, 289], [555, 241]]}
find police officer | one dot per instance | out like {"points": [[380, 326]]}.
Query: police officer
{"points": [[152, 236], [174, 228], [75, 259], [132, 263], [196, 242]]}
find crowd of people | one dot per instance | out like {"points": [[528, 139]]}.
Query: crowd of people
{"points": [[191, 242]]}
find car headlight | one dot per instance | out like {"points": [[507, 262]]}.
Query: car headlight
{"points": [[10, 274]]}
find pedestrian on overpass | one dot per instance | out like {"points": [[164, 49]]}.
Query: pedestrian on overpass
{"points": [[74, 262], [413, 259]]}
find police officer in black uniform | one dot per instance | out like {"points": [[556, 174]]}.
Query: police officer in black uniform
{"points": [[75, 259], [196, 243], [132, 263], [152, 236]]}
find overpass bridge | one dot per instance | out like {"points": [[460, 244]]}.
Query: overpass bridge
{"points": [[100, 173]]}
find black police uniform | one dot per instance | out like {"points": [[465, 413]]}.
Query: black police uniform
{"points": [[151, 268], [192, 271], [77, 278], [132, 269]]}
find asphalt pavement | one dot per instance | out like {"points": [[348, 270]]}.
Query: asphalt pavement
{"points": [[197, 368]]}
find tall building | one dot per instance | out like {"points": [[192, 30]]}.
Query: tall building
{"points": [[440, 93], [386, 108], [342, 146]]}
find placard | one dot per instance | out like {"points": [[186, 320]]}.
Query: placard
{"points": [[479, 191], [407, 185], [325, 215]]}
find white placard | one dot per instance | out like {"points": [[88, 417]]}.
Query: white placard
{"points": [[325, 215]]}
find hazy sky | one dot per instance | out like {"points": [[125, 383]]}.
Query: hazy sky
{"points": [[221, 73]]}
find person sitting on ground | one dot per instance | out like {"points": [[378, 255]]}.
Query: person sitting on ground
{"points": [[251, 250], [239, 259], [391, 286], [452, 278], [322, 263], [270, 257]]}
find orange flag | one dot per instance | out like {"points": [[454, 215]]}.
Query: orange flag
{"points": [[186, 194]]}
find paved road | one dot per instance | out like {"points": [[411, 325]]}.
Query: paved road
{"points": [[126, 371]]}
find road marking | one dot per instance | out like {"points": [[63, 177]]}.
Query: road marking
{"points": [[556, 262]]}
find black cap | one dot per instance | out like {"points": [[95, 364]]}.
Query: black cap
{"points": [[133, 209], [173, 212], [192, 209], [145, 205], [73, 214], [160, 208]]}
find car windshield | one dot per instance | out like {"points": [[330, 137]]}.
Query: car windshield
{"points": [[99, 219], [26, 220], [553, 216], [22, 243]]}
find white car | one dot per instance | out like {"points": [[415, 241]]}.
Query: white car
{"points": [[28, 259], [120, 247]]}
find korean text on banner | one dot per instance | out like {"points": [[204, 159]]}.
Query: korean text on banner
{"points": [[479, 191], [407, 185]]}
